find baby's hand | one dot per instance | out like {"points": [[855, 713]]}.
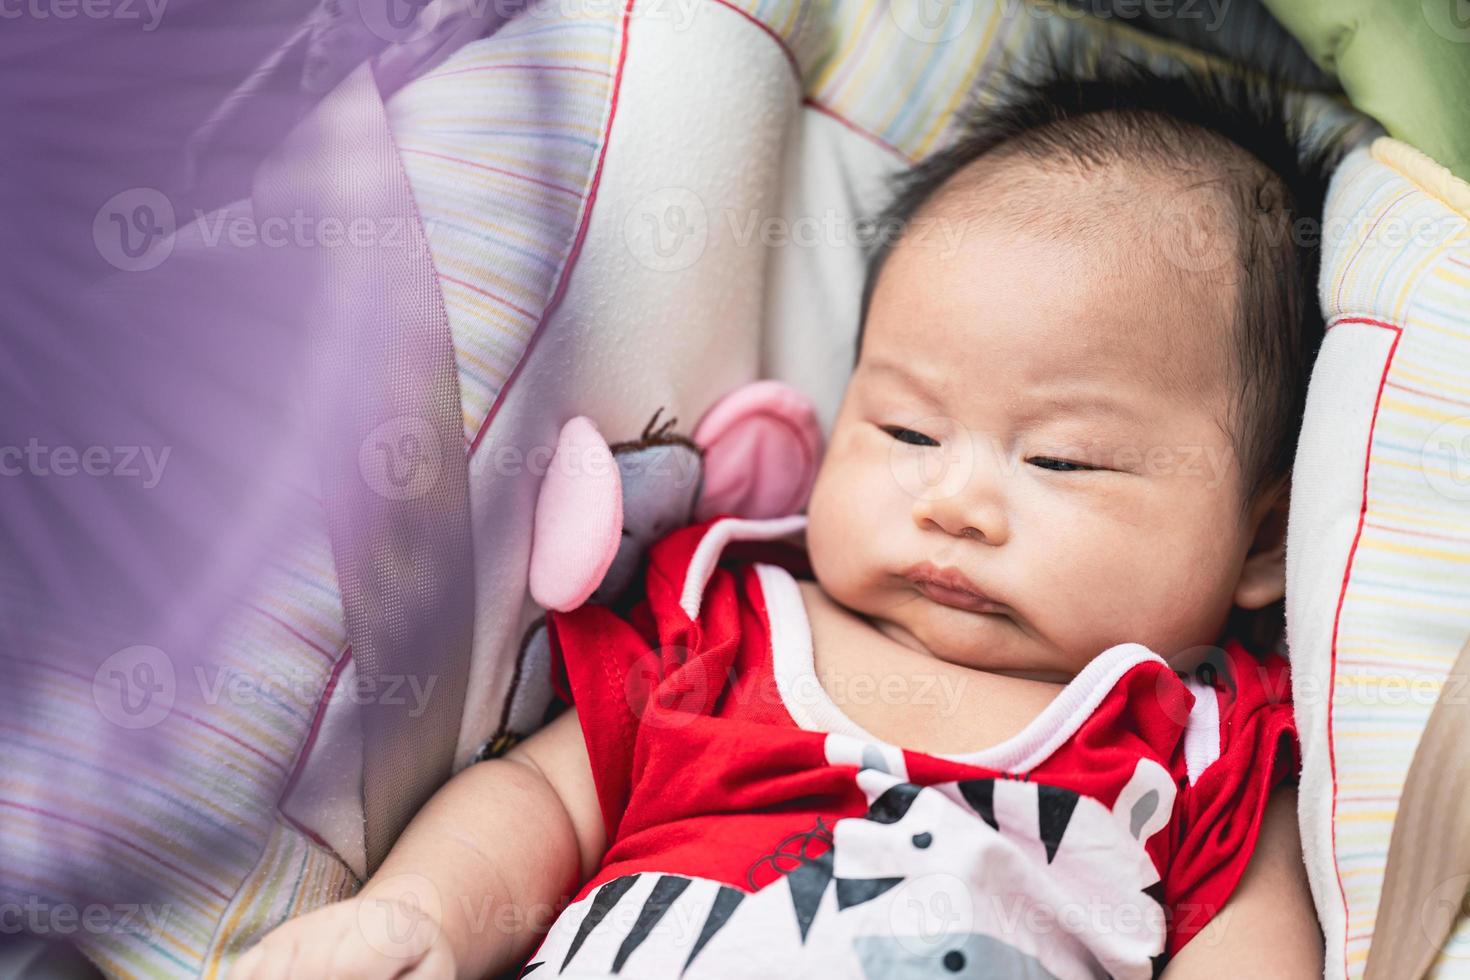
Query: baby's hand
{"points": [[362, 938]]}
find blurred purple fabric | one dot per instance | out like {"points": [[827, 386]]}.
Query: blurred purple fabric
{"points": [[144, 418], [151, 449]]}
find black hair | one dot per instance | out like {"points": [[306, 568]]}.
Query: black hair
{"points": [[1115, 108]]}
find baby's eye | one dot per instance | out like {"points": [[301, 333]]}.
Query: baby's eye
{"points": [[909, 436], [1059, 465]]}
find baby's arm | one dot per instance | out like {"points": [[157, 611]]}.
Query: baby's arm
{"points": [[1268, 927], [499, 847]]}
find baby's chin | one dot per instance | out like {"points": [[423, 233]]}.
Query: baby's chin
{"points": [[982, 641]]}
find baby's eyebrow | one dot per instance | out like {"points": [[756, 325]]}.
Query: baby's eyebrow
{"points": [[901, 372], [1041, 406]]}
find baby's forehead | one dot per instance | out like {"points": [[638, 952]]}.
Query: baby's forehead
{"points": [[1112, 201], [1166, 234], [1100, 285]]}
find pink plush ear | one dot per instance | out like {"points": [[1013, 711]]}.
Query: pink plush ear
{"points": [[762, 444], [579, 518]]}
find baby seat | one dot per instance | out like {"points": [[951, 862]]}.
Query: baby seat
{"points": [[621, 216]]}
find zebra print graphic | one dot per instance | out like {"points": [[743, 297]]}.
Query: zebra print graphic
{"points": [[948, 879]]}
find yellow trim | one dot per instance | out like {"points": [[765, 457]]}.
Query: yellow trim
{"points": [[1421, 170]]}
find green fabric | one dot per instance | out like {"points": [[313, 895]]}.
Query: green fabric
{"points": [[1406, 63]]}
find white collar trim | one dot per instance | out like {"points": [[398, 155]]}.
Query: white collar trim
{"points": [[716, 536], [792, 663]]}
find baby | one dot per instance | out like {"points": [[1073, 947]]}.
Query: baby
{"points": [[1056, 491]]}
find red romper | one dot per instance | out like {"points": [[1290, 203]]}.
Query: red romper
{"points": [[756, 831]]}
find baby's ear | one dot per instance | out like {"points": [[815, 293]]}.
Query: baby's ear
{"points": [[1263, 575]]}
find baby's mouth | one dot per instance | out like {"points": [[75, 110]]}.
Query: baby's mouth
{"points": [[958, 598], [950, 587]]}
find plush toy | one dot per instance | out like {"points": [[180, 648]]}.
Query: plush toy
{"points": [[601, 506]]}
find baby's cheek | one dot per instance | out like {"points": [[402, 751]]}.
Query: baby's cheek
{"points": [[851, 506], [1163, 592], [828, 519], [1104, 582]]}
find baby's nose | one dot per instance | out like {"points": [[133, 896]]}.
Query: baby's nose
{"points": [[958, 487], [979, 522]]}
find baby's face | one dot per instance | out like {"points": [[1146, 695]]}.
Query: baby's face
{"points": [[988, 375]]}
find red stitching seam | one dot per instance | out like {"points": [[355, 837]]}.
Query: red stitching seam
{"points": [[305, 753], [1398, 333], [780, 41], [873, 137], [576, 251], [566, 275]]}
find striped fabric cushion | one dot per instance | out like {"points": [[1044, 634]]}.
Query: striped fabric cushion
{"points": [[1378, 542]]}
